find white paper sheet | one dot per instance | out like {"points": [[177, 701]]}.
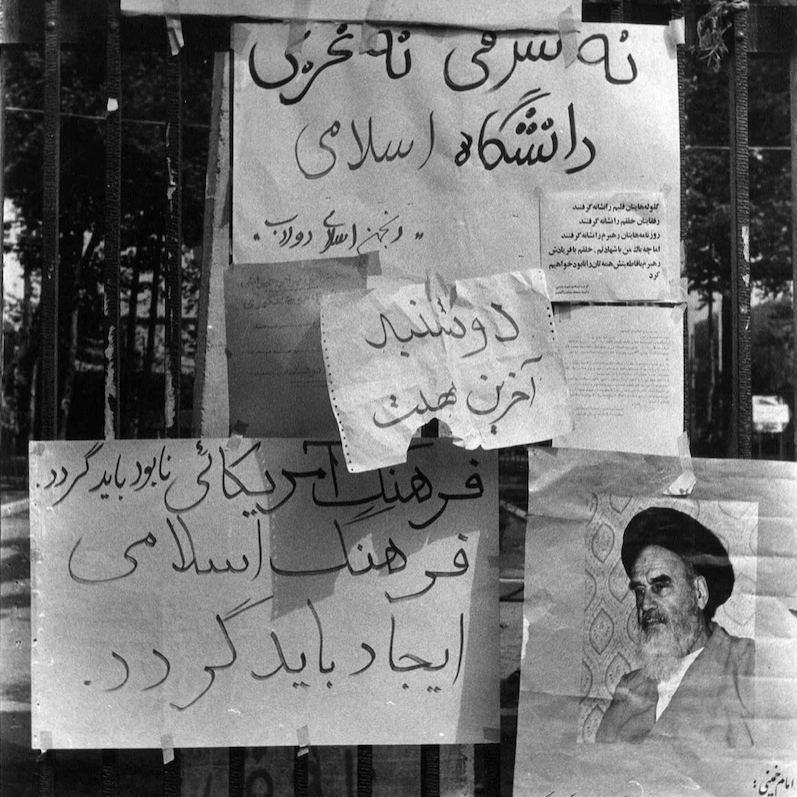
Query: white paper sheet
{"points": [[624, 368], [247, 592], [479, 356]]}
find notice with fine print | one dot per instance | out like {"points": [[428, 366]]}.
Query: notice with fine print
{"points": [[660, 643], [251, 592], [624, 368], [603, 247], [435, 147], [479, 355]]}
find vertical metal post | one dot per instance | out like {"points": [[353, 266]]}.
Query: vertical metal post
{"points": [[2, 189], [793, 142], [677, 12], [430, 770], [741, 400], [50, 281], [301, 772], [237, 772], [365, 770], [173, 299], [113, 203]]}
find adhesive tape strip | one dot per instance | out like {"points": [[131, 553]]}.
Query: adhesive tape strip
{"points": [[297, 27], [167, 745], [45, 741], [568, 33], [686, 482], [675, 34], [303, 738], [239, 38], [492, 734], [174, 25]]}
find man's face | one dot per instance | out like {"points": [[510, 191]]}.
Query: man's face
{"points": [[668, 602]]}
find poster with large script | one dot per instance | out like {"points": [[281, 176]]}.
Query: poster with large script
{"points": [[250, 592], [432, 147]]}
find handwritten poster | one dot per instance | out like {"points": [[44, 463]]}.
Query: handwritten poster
{"points": [[537, 14], [727, 734], [432, 147], [251, 592], [277, 384], [480, 355], [624, 369], [603, 248]]}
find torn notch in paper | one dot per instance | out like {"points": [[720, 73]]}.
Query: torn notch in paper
{"points": [[479, 355]]}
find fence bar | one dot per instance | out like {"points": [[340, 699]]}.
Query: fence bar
{"points": [[300, 771], [365, 770], [2, 189], [616, 12], [174, 159], [113, 204], [677, 12], [430, 770], [171, 776], [492, 768], [236, 778], [50, 281], [793, 142], [741, 400], [108, 777]]}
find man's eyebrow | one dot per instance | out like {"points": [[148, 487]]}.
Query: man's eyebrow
{"points": [[663, 579]]}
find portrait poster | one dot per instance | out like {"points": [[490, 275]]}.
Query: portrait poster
{"points": [[433, 146], [581, 631], [251, 592]]}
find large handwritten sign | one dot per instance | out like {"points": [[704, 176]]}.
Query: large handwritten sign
{"points": [[252, 592], [538, 14], [599, 247], [277, 384], [430, 147], [479, 355]]}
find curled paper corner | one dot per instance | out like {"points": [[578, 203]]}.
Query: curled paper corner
{"points": [[112, 105], [568, 33], [167, 745], [491, 734], [303, 740]]}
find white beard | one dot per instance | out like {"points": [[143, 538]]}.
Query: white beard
{"points": [[664, 644]]}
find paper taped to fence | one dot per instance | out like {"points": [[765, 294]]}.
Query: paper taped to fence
{"points": [[432, 147], [229, 592], [731, 723], [479, 355]]}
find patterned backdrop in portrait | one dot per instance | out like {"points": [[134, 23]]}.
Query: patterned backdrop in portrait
{"points": [[610, 629]]}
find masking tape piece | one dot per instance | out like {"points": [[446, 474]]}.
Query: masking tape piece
{"points": [[371, 264], [676, 33], [368, 37], [686, 482], [45, 741], [37, 450], [174, 27], [303, 739], [113, 105], [492, 734], [297, 33], [494, 561], [375, 15], [568, 33], [239, 38], [167, 745], [677, 312]]}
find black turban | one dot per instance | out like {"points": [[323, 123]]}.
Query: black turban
{"points": [[687, 537]]}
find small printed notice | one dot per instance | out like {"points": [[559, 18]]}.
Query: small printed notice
{"points": [[479, 355], [242, 592], [604, 248], [624, 368], [277, 385]]}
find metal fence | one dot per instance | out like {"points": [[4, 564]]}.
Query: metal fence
{"points": [[766, 28]]}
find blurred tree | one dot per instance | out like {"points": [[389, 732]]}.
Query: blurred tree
{"points": [[82, 201]]}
